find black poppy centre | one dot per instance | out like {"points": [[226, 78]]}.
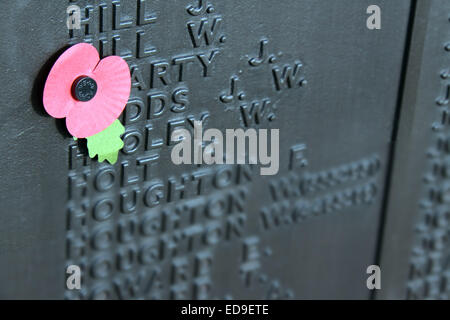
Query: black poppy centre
{"points": [[84, 89]]}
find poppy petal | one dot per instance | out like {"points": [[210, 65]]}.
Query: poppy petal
{"points": [[112, 75], [80, 59]]}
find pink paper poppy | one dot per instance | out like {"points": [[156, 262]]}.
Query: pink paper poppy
{"points": [[90, 93]]}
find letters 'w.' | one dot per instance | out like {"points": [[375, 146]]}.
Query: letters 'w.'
{"points": [[374, 20]]}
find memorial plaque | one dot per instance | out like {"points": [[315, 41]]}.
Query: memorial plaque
{"points": [[358, 110]]}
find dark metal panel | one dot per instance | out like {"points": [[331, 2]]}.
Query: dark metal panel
{"points": [[414, 254], [34, 152]]}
